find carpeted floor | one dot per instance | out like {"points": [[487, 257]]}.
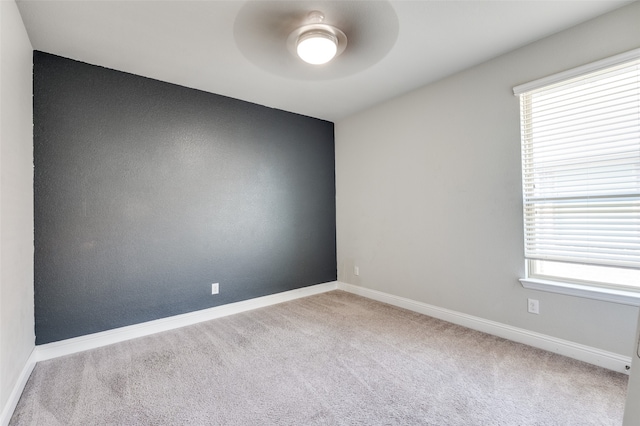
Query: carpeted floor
{"points": [[330, 359]]}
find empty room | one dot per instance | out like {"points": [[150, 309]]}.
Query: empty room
{"points": [[319, 212]]}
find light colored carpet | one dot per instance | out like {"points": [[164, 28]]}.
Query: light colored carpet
{"points": [[330, 359]]}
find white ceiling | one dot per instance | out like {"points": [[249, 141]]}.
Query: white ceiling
{"points": [[199, 44]]}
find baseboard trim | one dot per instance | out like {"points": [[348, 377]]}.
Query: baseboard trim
{"points": [[96, 340], [104, 338], [609, 360], [16, 393], [591, 355]]}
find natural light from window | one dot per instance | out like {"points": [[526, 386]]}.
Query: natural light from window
{"points": [[581, 177], [587, 274]]}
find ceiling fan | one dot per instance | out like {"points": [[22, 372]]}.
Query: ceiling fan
{"points": [[272, 35]]}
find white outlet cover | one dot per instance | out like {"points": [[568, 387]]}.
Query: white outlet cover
{"points": [[215, 288]]}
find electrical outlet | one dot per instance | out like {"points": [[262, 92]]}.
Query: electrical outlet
{"points": [[533, 306], [356, 271], [215, 288]]}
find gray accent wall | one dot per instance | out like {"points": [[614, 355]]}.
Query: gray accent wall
{"points": [[146, 193]]}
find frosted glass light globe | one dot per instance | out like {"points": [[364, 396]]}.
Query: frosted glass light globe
{"points": [[317, 47]]}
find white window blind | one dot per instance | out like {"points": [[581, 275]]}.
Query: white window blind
{"points": [[581, 167]]}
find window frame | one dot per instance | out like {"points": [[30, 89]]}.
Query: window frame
{"points": [[563, 285]]}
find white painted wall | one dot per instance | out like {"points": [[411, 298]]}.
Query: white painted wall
{"points": [[632, 407], [429, 199], [16, 199]]}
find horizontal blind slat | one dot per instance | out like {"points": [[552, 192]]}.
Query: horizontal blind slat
{"points": [[581, 168]]}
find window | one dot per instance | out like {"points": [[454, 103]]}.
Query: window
{"points": [[581, 175]]}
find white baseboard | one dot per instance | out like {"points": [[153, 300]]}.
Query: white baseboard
{"points": [[96, 340], [599, 357], [577, 351], [16, 393]]}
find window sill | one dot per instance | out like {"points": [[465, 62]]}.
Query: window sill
{"points": [[605, 294]]}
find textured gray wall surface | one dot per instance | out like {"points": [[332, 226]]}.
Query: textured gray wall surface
{"points": [[148, 192]]}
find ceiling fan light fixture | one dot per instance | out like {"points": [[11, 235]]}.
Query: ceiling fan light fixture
{"points": [[317, 47], [317, 43]]}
